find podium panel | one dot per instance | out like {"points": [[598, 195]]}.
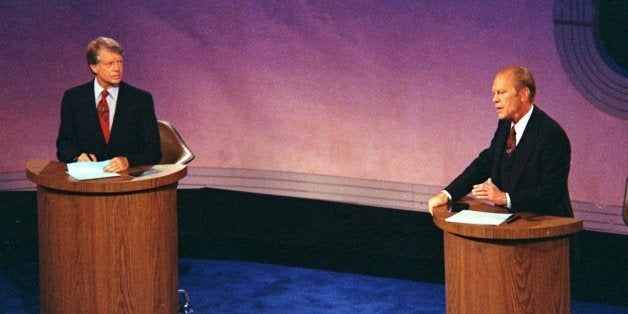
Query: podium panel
{"points": [[521, 267], [107, 245]]}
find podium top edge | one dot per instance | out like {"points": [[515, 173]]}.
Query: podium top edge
{"points": [[53, 175]]}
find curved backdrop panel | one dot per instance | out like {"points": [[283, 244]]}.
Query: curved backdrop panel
{"points": [[390, 91]]}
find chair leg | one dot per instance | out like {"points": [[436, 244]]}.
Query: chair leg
{"points": [[185, 307]]}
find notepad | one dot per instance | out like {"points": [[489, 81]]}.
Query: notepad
{"points": [[479, 218], [90, 170]]}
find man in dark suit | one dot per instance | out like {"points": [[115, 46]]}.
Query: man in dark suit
{"points": [[107, 118], [525, 169]]}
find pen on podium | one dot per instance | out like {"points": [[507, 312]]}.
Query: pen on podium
{"points": [[512, 218]]}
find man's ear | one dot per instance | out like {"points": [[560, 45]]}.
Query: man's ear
{"points": [[93, 67], [524, 94]]}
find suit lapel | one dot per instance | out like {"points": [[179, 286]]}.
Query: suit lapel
{"points": [[120, 107], [499, 145], [524, 149], [91, 114]]}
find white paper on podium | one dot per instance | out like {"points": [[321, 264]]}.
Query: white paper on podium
{"points": [[478, 218], [90, 170]]}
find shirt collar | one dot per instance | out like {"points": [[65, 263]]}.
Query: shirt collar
{"points": [[523, 122], [113, 90]]}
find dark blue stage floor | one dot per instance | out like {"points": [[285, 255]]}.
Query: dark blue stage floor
{"points": [[246, 287]]}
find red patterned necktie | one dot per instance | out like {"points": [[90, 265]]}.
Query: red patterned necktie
{"points": [[103, 114], [512, 141]]}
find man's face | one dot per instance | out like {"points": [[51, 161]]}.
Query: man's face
{"points": [[109, 70], [509, 103]]}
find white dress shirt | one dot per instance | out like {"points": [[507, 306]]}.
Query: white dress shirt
{"points": [[112, 99]]}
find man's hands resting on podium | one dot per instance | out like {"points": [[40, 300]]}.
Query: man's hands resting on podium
{"points": [[484, 191], [438, 200], [117, 164], [489, 192]]}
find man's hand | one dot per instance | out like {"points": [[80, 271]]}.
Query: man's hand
{"points": [[86, 157], [117, 164], [438, 200], [488, 191]]}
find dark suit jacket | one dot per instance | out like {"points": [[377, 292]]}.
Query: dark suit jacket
{"points": [[134, 132], [540, 167]]}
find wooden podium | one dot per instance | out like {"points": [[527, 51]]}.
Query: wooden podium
{"points": [[107, 245], [519, 267]]}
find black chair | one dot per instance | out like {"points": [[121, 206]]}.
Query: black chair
{"points": [[173, 148]]}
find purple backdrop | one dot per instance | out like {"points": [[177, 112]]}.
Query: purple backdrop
{"points": [[389, 90]]}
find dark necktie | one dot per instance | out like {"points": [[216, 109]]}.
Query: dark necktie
{"points": [[512, 141], [103, 114]]}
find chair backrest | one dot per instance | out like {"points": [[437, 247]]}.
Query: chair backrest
{"points": [[173, 148]]}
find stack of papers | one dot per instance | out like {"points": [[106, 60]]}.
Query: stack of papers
{"points": [[479, 218], [90, 170]]}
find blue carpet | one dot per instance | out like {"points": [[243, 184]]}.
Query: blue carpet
{"points": [[260, 288], [245, 287]]}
